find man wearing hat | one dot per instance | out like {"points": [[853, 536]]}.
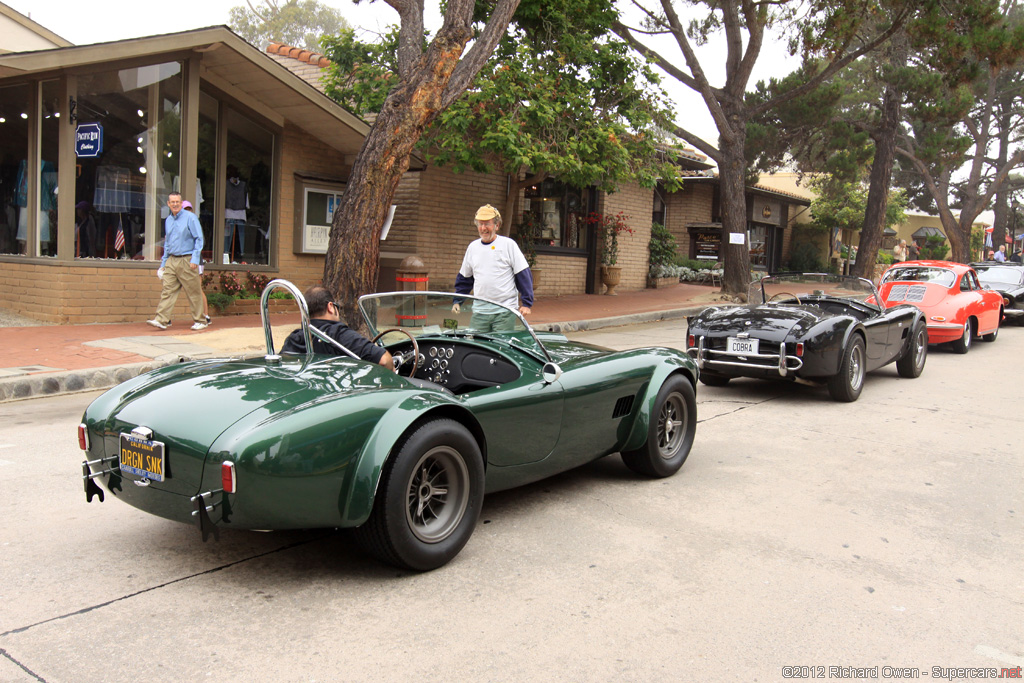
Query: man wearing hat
{"points": [[494, 268]]}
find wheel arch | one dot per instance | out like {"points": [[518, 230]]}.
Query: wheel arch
{"points": [[393, 426], [662, 372]]}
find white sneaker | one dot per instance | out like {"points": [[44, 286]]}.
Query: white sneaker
{"points": [[157, 324], [209, 320], [199, 326]]}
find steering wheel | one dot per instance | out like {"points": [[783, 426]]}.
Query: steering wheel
{"points": [[415, 347], [788, 295]]}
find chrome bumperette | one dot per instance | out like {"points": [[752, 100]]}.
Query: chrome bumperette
{"points": [[782, 362]]}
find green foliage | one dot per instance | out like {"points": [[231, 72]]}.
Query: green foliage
{"points": [[299, 23], [281, 294], [694, 264], [559, 96], [934, 247], [805, 257], [885, 257], [219, 300], [360, 75], [841, 204], [662, 247]]}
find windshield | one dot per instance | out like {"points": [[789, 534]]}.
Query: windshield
{"points": [[1000, 275], [434, 313], [940, 276], [812, 285]]}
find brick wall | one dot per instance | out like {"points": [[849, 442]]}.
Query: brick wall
{"points": [[636, 203], [559, 275], [690, 204]]}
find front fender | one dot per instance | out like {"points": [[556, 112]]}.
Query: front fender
{"points": [[673, 363], [356, 503]]}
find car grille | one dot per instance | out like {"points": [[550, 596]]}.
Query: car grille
{"points": [[911, 293]]}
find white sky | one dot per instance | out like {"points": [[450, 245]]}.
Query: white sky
{"points": [[98, 21]]}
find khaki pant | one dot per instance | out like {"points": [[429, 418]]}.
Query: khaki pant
{"points": [[179, 275]]}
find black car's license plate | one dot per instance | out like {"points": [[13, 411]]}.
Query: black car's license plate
{"points": [[142, 457], [736, 345]]}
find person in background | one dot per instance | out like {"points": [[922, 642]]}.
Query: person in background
{"points": [[179, 267], [1000, 256], [913, 253], [187, 205], [494, 268], [1015, 258], [899, 252]]}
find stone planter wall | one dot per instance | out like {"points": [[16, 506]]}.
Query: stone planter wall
{"points": [[661, 282], [251, 306]]}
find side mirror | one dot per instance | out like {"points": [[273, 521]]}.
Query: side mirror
{"points": [[550, 372]]}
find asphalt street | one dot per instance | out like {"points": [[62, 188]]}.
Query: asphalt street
{"points": [[803, 538]]}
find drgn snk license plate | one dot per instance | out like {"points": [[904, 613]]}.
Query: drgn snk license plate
{"points": [[142, 457]]}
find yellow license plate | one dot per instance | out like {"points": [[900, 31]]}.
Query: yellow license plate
{"points": [[142, 457]]}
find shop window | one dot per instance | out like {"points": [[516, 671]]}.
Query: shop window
{"points": [[46, 227], [205, 201], [14, 124], [319, 202], [758, 236], [248, 189], [123, 182], [558, 214]]}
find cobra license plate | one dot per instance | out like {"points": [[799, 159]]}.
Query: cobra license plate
{"points": [[743, 346], [142, 457]]}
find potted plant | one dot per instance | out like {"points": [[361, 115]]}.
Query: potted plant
{"points": [[609, 227]]}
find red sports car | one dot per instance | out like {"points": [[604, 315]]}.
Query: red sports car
{"points": [[956, 306]]}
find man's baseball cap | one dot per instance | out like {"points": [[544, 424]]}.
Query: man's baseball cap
{"points": [[486, 213]]}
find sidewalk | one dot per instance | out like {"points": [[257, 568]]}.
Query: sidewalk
{"points": [[57, 359]]}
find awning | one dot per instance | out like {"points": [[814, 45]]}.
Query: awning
{"points": [[926, 232]]}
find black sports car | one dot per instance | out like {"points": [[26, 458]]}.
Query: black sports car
{"points": [[811, 328], [1008, 280]]}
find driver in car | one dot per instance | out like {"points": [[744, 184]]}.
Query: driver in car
{"points": [[324, 316]]}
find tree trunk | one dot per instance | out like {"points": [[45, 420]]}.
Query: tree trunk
{"points": [[732, 176], [880, 180], [353, 252]]}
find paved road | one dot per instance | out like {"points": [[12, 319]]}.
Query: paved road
{"points": [[800, 532]]}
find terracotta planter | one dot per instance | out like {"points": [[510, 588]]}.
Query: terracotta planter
{"points": [[610, 277]]}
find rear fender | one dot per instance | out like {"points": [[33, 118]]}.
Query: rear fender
{"points": [[358, 500], [641, 425]]}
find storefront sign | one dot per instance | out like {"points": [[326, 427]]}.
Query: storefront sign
{"points": [[766, 211], [707, 244], [88, 140]]}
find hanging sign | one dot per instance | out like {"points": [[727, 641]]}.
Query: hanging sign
{"points": [[88, 140]]}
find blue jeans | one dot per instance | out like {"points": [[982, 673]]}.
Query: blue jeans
{"points": [[229, 230]]}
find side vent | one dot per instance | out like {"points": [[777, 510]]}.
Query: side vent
{"points": [[623, 407]]}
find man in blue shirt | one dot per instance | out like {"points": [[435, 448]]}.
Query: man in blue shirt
{"points": [[179, 267]]}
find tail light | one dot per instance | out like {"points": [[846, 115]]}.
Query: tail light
{"points": [[227, 476], [83, 437], [799, 349], [691, 340]]}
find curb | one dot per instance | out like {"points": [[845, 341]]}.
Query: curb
{"points": [[76, 381]]}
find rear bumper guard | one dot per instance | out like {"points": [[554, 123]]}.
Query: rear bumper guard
{"points": [[88, 476], [201, 511], [781, 362]]}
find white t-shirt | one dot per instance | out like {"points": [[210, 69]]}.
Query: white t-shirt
{"points": [[493, 268]]}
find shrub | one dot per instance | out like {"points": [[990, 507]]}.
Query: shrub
{"points": [[805, 258], [257, 282], [662, 247], [935, 248], [219, 300]]}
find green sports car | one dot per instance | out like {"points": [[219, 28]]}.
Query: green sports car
{"points": [[405, 457]]}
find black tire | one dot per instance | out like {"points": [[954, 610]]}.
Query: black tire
{"points": [[848, 383], [912, 362], [991, 337], [429, 498], [963, 344], [670, 433], [714, 380]]}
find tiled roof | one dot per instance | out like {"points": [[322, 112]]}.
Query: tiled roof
{"points": [[300, 54]]}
